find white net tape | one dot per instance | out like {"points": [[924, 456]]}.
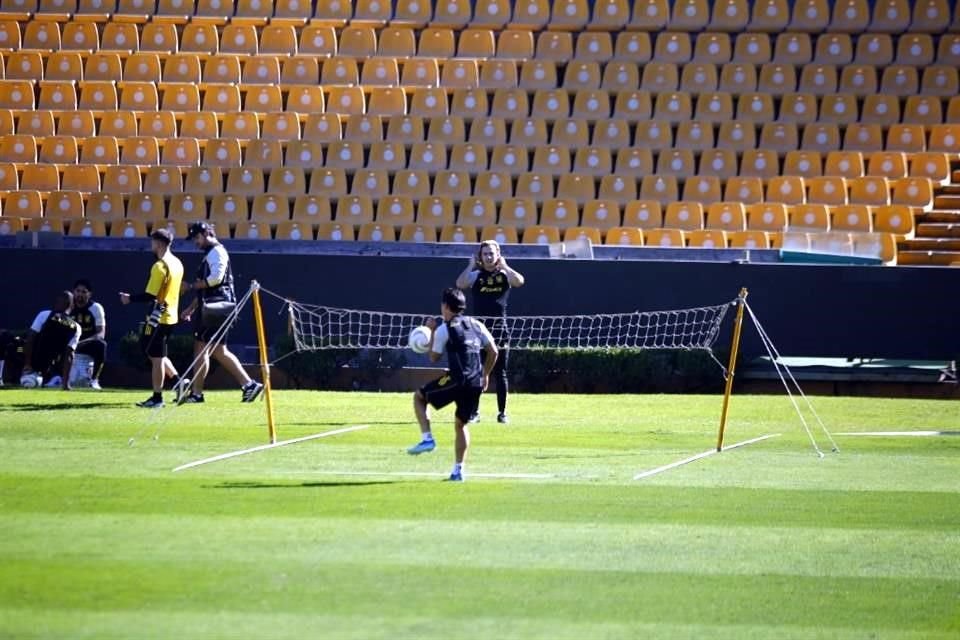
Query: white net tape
{"points": [[318, 327]]}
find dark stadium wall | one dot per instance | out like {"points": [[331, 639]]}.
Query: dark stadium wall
{"points": [[817, 311]]}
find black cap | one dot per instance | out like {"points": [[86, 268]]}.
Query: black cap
{"points": [[198, 228], [163, 234]]}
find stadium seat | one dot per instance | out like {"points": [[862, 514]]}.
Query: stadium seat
{"points": [[222, 70], [851, 217], [435, 212], [413, 232], [748, 240], [931, 164], [207, 181], [222, 152], [664, 238], [476, 212], [745, 189], [897, 219], [766, 216], [684, 215], [718, 163], [786, 190], [453, 185], [318, 39], [268, 208], [624, 236], [311, 209], [500, 233], [707, 238], [663, 189], [81, 178], [915, 192], [458, 233], [377, 232], [322, 128], [517, 213], [245, 181], [643, 214], [335, 231], [541, 234], [560, 213], [163, 180], [811, 216]]}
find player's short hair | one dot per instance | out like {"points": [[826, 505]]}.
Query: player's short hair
{"points": [[83, 282], [454, 299], [163, 235], [64, 299], [200, 228], [491, 243]]}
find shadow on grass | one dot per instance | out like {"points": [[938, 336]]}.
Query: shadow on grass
{"points": [[62, 406], [300, 485]]}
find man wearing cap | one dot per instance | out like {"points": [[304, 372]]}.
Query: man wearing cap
{"points": [[216, 299], [163, 294]]}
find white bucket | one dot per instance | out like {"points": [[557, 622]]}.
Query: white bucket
{"points": [[81, 373]]}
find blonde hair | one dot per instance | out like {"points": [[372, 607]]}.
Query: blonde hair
{"points": [[491, 243]]}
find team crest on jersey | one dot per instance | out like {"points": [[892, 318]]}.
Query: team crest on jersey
{"points": [[499, 279]]}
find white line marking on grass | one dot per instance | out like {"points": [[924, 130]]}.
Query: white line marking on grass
{"points": [[901, 433], [700, 456], [264, 447], [429, 474]]}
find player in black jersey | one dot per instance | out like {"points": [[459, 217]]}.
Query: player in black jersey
{"points": [[93, 327], [490, 279], [463, 339], [53, 337]]}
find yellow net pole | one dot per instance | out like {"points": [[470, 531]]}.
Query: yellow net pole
{"points": [[264, 361], [734, 349]]}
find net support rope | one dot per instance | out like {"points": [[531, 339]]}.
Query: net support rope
{"points": [[783, 371], [317, 327]]}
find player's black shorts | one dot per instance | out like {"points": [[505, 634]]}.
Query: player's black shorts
{"points": [[205, 334], [153, 340], [445, 390]]}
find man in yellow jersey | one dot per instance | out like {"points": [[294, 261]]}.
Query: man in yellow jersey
{"points": [[163, 292]]}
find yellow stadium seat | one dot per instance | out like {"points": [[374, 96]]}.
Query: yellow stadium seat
{"points": [[517, 213], [890, 16], [906, 137], [530, 14], [930, 16], [122, 179], [931, 164], [863, 137], [493, 184], [766, 216], [940, 80], [707, 238], [769, 16], [541, 234], [689, 15], [354, 210], [684, 215], [643, 214], [881, 245], [222, 69], [755, 107], [413, 232], [809, 217], [80, 178], [601, 214], [592, 234], [336, 231], [458, 233], [222, 153], [318, 39], [718, 163], [713, 48], [850, 16], [633, 106], [186, 207], [618, 188], [851, 217], [624, 236], [633, 161], [475, 212], [916, 192], [729, 216], [252, 231], [663, 189], [811, 16], [105, 207], [395, 210], [47, 225], [945, 138], [377, 232], [435, 211], [246, 181], [498, 74], [665, 238], [659, 77], [491, 14], [673, 47], [745, 189], [226, 209], [163, 180], [312, 209], [869, 190], [736, 136], [295, 230], [786, 190], [205, 181], [502, 234], [270, 208], [730, 16], [748, 240], [452, 185], [412, 183], [895, 218], [535, 186], [322, 128]]}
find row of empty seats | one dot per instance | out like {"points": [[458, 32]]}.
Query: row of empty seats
{"points": [[789, 47], [98, 137], [478, 212], [851, 243], [851, 16]]}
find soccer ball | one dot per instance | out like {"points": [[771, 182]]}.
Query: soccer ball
{"points": [[31, 380], [419, 341]]}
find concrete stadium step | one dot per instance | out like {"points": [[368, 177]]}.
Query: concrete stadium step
{"points": [[928, 258], [938, 230], [938, 215], [945, 200], [931, 244]]}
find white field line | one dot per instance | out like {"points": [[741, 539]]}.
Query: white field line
{"points": [[430, 474], [899, 433], [264, 447], [700, 456]]}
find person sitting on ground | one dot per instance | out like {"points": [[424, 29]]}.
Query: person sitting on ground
{"points": [[52, 340]]}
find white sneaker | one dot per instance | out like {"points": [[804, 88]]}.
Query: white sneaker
{"points": [[95, 385]]}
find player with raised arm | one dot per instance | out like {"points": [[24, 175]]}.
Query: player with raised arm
{"points": [[463, 339], [490, 279]]}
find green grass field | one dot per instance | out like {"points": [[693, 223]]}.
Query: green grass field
{"points": [[349, 537]]}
